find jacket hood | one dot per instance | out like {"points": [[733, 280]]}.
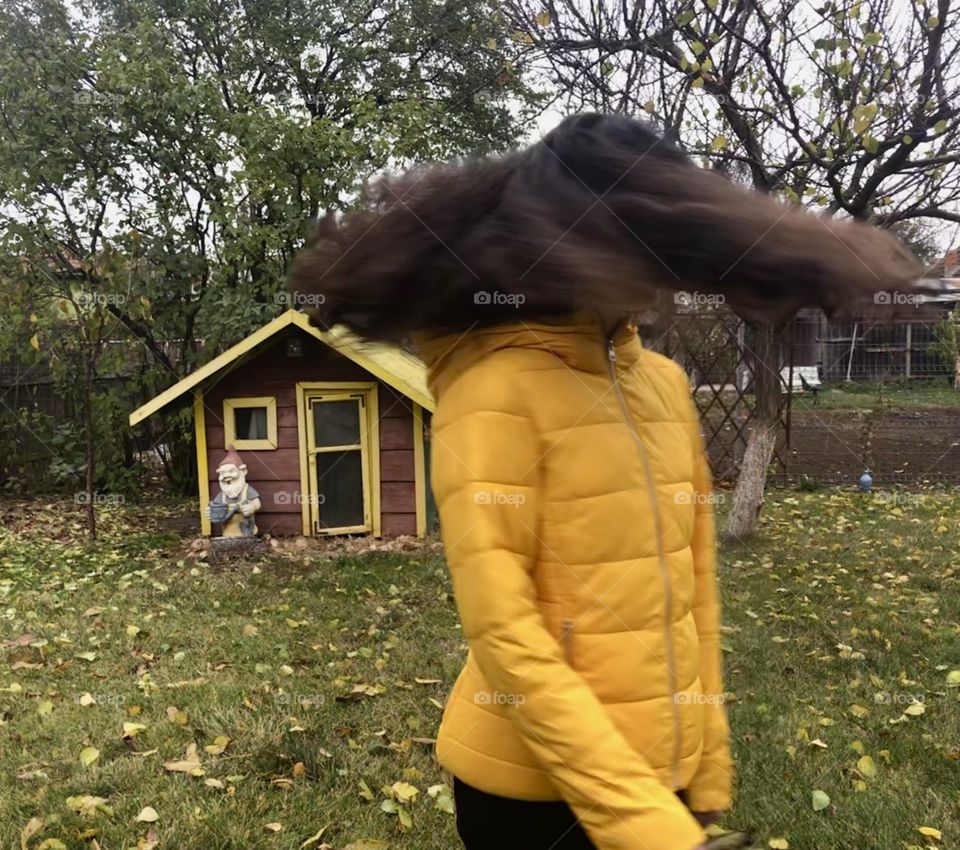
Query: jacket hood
{"points": [[579, 340]]}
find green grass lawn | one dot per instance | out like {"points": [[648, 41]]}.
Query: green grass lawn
{"points": [[896, 395], [317, 683]]}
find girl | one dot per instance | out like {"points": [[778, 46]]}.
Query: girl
{"points": [[567, 466]]}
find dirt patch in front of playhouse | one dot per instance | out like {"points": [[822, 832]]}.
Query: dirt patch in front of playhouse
{"points": [[313, 548]]}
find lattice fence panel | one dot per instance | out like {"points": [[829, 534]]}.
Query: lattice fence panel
{"points": [[714, 347]]}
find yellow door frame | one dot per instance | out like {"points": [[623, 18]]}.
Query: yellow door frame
{"points": [[369, 452], [200, 438], [419, 470]]}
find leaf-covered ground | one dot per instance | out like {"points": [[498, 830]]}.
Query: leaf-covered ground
{"points": [[148, 698]]}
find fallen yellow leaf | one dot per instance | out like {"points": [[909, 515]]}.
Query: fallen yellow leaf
{"points": [[189, 764], [218, 746], [404, 792], [86, 805], [88, 755], [175, 715], [34, 825], [313, 839]]}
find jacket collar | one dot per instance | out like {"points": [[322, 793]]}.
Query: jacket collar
{"points": [[579, 340]]}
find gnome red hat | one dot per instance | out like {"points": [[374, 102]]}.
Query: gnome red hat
{"points": [[231, 457]]}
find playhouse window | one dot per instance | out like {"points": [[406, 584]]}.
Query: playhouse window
{"points": [[250, 423]]}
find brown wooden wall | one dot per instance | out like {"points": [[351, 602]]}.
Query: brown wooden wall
{"points": [[276, 473]]}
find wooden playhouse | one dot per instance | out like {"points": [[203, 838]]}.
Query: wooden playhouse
{"points": [[332, 430]]}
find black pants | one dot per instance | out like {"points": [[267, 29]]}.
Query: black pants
{"points": [[488, 822]]}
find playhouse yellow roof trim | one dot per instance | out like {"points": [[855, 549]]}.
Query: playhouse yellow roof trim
{"points": [[390, 363]]}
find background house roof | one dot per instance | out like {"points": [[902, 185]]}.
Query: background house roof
{"points": [[400, 369]]}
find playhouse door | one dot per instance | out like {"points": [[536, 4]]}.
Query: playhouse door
{"points": [[338, 461]]}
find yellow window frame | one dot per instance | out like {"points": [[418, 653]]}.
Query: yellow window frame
{"points": [[229, 423], [310, 392]]}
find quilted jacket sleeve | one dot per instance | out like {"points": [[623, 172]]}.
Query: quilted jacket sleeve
{"points": [[710, 788], [485, 471]]}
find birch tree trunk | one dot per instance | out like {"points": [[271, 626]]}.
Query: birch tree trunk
{"points": [[751, 482]]}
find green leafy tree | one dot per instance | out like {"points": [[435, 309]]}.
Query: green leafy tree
{"points": [[71, 337], [166, 156]]}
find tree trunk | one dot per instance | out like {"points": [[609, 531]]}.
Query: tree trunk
{"points": [[748, 493], [89, 453], [752, 480]]}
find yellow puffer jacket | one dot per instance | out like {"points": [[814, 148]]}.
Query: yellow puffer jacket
{"points": [[574, 505]]}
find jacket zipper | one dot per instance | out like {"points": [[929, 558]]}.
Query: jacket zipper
{"points": [[661, 558]]}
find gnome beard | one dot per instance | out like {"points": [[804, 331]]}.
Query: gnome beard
{"points": [[232, 475], [233, 479]]}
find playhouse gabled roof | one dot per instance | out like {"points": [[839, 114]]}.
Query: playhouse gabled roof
{"points": [[390, 363]]}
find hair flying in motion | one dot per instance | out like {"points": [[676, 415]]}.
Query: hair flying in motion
{"points": [[603, 212]]}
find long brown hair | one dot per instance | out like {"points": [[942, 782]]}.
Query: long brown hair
{"points": [[603, 212]]}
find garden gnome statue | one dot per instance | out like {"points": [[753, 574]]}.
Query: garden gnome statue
{"points": [[237, 502]]}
